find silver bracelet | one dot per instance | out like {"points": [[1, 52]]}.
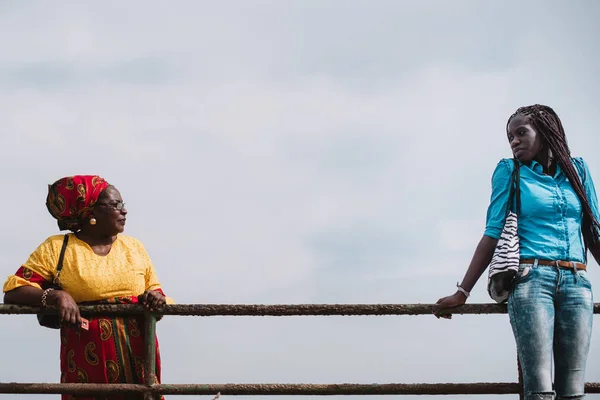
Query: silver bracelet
{"points": [[463, 291], [45, 297]]}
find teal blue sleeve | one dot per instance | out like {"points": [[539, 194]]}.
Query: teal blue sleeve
{"points": [[590, 190], [499, 199]]}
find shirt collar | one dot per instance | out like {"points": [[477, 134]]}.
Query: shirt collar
{"points": [[537, 167]]}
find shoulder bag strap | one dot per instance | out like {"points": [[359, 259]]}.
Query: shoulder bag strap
{"points": [[514, 190], [517, 185], [61, 258]]}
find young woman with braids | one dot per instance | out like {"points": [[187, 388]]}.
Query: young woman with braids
{"points": [[550, 304]]}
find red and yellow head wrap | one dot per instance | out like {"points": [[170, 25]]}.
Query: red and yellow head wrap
{"points": [[71, 199]]}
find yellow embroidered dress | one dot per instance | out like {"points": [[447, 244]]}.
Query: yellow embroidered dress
{"points": [[112, 350]]}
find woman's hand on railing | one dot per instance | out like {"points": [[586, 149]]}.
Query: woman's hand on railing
{"points": [[68, 311], [457, 299], [152, 299]]}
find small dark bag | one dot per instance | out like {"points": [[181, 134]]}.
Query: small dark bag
{"points": [[51, 320]]}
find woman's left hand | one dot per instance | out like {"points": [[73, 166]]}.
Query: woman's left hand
{"points": [[152, 299]]}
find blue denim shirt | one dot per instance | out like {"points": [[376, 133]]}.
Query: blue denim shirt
{"points": [[551, 213]]}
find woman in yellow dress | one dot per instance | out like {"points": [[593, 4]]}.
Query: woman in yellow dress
{"points": [[98, 265]]}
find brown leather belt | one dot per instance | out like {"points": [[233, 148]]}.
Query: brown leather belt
{"points": [[562, 264]]}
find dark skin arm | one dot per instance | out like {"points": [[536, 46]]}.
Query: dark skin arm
{"points": [[481, 259], [68, 311]]}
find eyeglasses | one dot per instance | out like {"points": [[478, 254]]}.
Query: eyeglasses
{"points": [[119, 205]]}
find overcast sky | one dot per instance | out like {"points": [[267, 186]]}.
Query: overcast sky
{"points": [[289, 151]]}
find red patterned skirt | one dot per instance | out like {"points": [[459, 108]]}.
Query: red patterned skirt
{"points": [[111, 351]]}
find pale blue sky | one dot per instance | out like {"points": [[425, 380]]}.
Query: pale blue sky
{"points": [[289, 152]]}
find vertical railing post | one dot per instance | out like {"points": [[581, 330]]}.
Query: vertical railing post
{"points": [[150, 361]]}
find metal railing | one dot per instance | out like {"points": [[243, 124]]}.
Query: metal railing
{"points": [[205, 310]]}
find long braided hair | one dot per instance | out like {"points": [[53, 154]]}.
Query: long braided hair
{"points": [[546, 122]]}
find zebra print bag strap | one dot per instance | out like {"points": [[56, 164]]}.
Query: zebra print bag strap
{"points": [[517, 185], [514, 192]]}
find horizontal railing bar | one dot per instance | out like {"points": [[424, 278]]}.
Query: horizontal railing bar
{"points": [[207, 310], [268, 310], [71, 388], [262, 389], [344, 389]]}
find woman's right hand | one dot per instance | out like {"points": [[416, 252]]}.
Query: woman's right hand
{"points": [[457, 299], [68, 311]]}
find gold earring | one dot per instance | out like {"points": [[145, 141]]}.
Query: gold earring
{"points": [[93, 221]]}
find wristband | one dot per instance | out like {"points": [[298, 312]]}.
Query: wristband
{"points": [[463, 291]]}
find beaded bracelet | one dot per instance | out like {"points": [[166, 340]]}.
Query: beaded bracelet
{"points": [[45, 297]]}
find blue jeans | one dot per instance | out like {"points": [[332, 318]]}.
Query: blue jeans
{"points": [[551, 312]]}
